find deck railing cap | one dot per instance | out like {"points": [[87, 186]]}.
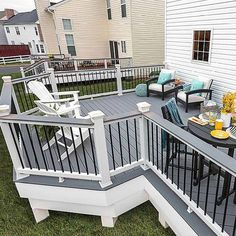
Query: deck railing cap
{"points": [[95, 115], [144, 107], [4, 110], [6, 79]]}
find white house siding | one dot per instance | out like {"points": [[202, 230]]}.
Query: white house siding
{"points": [[27, 34], [89, 27], [120, 28], [3, 38], [47, 27], [184, 16], [148, 20]]}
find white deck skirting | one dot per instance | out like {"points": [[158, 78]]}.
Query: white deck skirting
{"points": [[108, 204]]}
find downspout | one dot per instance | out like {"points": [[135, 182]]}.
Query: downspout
{"points": [[58, 41]]}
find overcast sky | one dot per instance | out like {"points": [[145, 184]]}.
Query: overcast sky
{"points": [[18, 5]]}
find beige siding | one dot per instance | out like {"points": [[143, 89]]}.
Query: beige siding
{"points": [[183, 16], [148, 19], [89, 27], [47, 26], [120, 28]]}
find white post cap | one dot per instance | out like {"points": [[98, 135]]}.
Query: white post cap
{"points": [[50, 69], [4, 110], [95, 115], [144, 107], [6, 79]]}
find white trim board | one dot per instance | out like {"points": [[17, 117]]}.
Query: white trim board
{"points": [[108, 204]]}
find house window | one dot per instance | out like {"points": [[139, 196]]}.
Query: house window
{"points": [[37, 46], [109, 10], [36, 30], [67, 24], [70, 44], [123, 8], [30, 44], [123, 46], [201, 45], [8, 30], [42, 48], [17, 30]]}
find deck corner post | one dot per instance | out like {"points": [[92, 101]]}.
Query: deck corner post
{"points": [[46, 66], [97, 118], [75, 64], [108, 222], [6, 131], [22, 72], [144, 107], [119, 79], [163, 221], [53, 81]]}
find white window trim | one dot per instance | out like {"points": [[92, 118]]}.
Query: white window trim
{"points": [[109, 8], [210, 49], [122, 4], [71, 22]]}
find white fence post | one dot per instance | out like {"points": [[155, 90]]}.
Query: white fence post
{"points": [[105, 64], [21, 60], [119, 80], [4, 62], [46, 66], [101, 147], [22, 72], [53, 81], [144, 107], [75, 64]]}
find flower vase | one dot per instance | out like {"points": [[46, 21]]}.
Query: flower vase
{"points": [[226, 117]]}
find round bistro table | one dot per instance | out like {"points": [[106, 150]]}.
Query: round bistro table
{"points": [[203, 132]]}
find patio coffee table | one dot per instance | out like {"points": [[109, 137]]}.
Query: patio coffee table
{"points": [[203, 132]]}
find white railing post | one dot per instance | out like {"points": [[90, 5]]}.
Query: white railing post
{"points": [[4, 62], [22, 72], [119, 80], [144, 107], [53, 81], [21, 60], [101, 147], [105, 64], [46, 66], [75, 64]]}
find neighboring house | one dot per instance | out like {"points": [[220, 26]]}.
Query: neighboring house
{"points": [[201, 41], [24, 28], [4, 16], [104, 28]]}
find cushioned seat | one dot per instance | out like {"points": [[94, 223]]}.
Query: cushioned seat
{"points": [[141, 90], [191, 98], [158, 87]]}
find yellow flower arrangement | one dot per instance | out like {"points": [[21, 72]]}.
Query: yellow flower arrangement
{"points": [[228, 102]]}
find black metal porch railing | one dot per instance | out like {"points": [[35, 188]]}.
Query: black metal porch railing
{"points": [[195, 171], [132, 76]]}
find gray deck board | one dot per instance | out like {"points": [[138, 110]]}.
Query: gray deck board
{"points": [[115, 105]]}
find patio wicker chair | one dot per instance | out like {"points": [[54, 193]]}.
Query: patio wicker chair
{"points": [[195, 97], [74, 138], [60, 105], [162, 89]]}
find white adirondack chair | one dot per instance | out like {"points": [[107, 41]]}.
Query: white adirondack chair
{"points": [[60, 105], [76, 132]]}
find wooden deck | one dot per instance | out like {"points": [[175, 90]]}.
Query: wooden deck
{"points": [[114, 105]]}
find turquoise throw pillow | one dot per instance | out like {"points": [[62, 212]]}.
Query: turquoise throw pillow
{"points": [[163, 77], [196, 84]]}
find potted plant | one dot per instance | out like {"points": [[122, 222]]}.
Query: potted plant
{"points": [[228, 108]]}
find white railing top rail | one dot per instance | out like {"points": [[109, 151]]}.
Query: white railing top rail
{"points": [[100, 70], [29, 78], [32, 66]]}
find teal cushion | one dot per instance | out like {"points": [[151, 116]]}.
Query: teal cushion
{"points": [[141, 90], [163, 77], [196, 84], [187, 87]]}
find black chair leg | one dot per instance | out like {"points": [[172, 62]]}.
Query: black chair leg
{"points": [[186, 108]]}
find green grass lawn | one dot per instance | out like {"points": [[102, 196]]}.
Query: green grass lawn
{"points": [[16, 218]]}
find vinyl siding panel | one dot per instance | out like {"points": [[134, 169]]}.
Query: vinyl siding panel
{"points": [[89, 27], [47, 26], [120, 28], [184, 16], [148, 19], [3, 38]]}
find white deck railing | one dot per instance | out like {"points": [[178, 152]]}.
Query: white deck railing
{"points": [[15, 59]]}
